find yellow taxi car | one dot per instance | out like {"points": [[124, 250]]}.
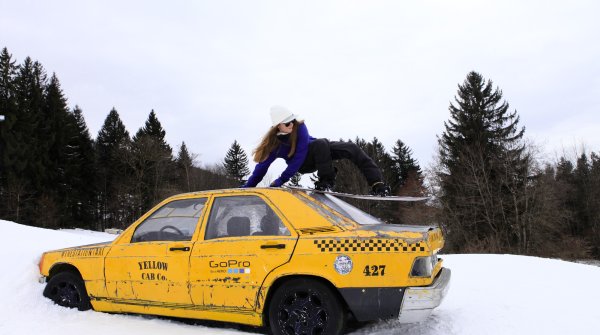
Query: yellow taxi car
{"points": [[297, 262]]}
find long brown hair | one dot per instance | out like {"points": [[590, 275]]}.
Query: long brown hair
{"points": [[270, 142]]}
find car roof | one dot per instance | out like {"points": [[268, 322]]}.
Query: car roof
{"points": [[298, 218], [262, 190]]}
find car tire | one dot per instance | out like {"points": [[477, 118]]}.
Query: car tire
{"points": [[306, 306], [67, 289]]}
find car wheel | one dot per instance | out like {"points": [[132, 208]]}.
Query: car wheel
{"points": [[67, 289], [306, 306]]}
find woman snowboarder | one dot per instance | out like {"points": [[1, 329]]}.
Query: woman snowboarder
{"points": [[288, 138]]}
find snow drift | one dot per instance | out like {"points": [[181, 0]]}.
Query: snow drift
{"points": [[489, 294]]}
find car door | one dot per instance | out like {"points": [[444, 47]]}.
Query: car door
{"points": [[152, 268], [244, 240]]}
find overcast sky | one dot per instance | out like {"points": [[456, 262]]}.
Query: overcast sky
{"points": [[385, 69]]}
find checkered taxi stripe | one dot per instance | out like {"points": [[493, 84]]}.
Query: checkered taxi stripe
{"points": [[369, 245]]}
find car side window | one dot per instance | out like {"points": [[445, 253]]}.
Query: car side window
{"points": [[243, 216], [175, 221]]}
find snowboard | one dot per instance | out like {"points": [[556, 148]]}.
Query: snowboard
{"points": [[362, 196]]}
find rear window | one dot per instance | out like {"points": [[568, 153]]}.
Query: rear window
{"points": [[338, 210]]}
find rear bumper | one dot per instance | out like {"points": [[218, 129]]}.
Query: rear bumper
{"points": [[407, 304], [419, 302], [373, 303]]}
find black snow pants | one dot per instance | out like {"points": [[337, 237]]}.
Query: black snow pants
{"points": [[322, 153]]}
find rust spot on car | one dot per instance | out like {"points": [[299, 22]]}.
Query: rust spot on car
{"points": [[226, 280]]}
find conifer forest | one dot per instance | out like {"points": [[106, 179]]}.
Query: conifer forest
{"points": [[491, 191]]}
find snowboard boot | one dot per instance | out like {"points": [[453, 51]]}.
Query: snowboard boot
{"points": [[380, 189], [324, 185], [327, 182]]}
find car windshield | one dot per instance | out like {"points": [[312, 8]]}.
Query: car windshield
{"points": [[345, 209]]}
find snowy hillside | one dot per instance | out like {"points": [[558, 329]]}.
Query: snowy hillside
{"points": [[489, 294]]}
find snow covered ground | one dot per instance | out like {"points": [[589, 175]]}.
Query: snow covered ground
{"points": [[489, 294]]}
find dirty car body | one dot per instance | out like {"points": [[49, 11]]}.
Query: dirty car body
{"points": [[297, 262]]}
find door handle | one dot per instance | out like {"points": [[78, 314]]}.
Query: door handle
{"points": [[179, 249], [272, 246]]}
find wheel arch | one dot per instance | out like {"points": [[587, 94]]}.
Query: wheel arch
{"points": [[62, 267], [72, 281], [279, 282]]}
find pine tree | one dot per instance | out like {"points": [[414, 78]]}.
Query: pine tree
{"points": [[576, 190], [80, 172], [584, 196], [362, 144], [185, 168], [9, 167], [154, 130], [403, 165], [26, 151], [111, 138], [564, 170], [56, 128], [236, 162], [483, 170], [55, 114], [565, 183], [407, 180], [151, 163], [376, 150], [114, 185], [41, 144], [594, 233]]}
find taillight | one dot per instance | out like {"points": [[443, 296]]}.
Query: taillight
{"points": [[423, 266]]}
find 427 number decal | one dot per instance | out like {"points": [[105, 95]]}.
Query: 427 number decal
{"points": [[374, 270]]}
